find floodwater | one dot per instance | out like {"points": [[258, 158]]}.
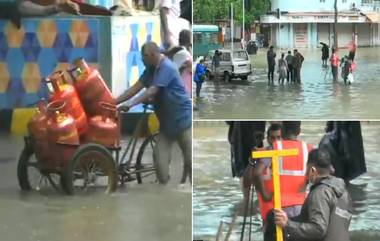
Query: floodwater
{"points": [[316, 98], [134, 212], [217, 195]]}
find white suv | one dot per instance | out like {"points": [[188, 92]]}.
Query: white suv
{"points": [[233, 64]]}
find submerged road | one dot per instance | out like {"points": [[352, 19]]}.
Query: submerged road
{"points": [[217, 195], [316, 98], [135, 212]]}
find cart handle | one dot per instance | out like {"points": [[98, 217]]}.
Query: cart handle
{"points": [[107, 106]]}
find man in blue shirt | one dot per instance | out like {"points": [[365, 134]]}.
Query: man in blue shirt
{"points": [[171, 104]]}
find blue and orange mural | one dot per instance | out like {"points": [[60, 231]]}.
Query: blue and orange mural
{"points": [[127, 39], [43, 45], [40, 46]]}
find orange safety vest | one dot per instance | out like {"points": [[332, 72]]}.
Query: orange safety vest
{"points": [[292, 176], [335, 60]]}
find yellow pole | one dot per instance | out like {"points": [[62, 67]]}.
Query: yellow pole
{"points": [[274, 154]]}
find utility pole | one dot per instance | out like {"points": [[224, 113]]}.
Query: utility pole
{"points": [[232, 27], [243, 29], [335, 24]]}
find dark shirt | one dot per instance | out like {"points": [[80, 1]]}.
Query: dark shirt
{"points": [[271, 58], [216, 60], [325, 52], [325, 214]]}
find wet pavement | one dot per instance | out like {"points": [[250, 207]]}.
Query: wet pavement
{"points": [[217, 195], [135, 212], [317, 98]]}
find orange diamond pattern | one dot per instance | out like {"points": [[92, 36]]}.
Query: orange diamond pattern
{"points": [[4, 77], [14, 35], [46, 33], [79, 33], [31, 77]]}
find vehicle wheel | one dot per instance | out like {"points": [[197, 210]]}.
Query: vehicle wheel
{"points": [[91, 168], [244, 77], [29, 174], [149, 5], [227, 77], [145, 161]]}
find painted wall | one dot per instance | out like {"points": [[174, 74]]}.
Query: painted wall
{"points": [[128, 35], [315, 5], [43, 45]]}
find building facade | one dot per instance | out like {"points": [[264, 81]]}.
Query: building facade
{"points": [[305, 23]]}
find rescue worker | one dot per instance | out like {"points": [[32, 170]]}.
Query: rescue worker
{"points": [[274, 134], [292, 178], [326, 213], [334, 59]]}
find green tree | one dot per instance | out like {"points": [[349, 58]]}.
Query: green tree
{"points": [[207, 11]]}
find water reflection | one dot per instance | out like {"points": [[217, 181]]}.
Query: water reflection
{"points": [[217, 196]]}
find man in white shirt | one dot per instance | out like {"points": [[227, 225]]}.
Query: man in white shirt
{"points": [[171, 23]]}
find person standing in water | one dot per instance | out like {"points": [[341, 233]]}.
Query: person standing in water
{"points": [[334, 59], [282, 69], [271, 59], [325, 54]]}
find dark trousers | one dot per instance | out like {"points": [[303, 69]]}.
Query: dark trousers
{"points": [[290, 75], [297, 77], [270, 73], [198, 87], [334, 70]]}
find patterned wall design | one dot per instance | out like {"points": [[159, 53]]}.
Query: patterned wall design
{"points": [[40, 46], [127, 39]]}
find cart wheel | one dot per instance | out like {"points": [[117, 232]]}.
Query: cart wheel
{"points": [[91, 168], [29, 175], [145, 160]]}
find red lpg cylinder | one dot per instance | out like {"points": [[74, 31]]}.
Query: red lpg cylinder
{"points": [[105, 129], [91, 87], [62, 133], [66, 92], [38, 131]]}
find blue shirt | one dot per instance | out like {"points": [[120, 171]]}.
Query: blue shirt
{"points": [[200, 70], [172, 105]]}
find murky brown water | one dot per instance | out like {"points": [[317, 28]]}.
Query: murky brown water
{"points": [[135, 212], [217, 195], [316, 98]]}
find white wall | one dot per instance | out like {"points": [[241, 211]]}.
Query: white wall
{"points": [[344, 34], [323, 33], [364, 34], [313, 5]]}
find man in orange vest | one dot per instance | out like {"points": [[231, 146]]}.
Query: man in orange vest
{"points": [[292, 178], [334, 59]]}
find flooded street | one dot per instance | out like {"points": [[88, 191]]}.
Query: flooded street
{"points": [[317, 98], [134, 212], [217, 195]]}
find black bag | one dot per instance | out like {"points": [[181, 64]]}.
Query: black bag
{"points": [[344, 142]]}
